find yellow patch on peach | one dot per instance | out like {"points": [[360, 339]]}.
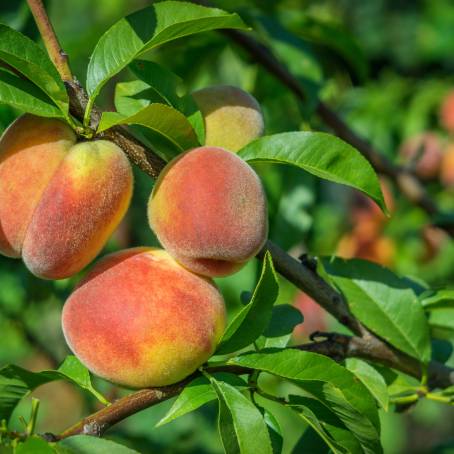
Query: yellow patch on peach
{"points": [[233, 117]]}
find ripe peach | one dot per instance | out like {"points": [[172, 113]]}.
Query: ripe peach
{"points": [[426, 151], [447, 167], [208, 210], [140, 319], [447, 112], [31, 150], [233, 117], [59, 201]]}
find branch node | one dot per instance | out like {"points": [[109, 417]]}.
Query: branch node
{"points": [[49, 437], [93, 429], [308, 261]]}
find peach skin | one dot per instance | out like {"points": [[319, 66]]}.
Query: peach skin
{"points": [[31, 150], [233, 117], [59, 201], [208, 210], [139, 319]]}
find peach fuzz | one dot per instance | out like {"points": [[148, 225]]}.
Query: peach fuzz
{"points": [[59, 201], [208, 210], [233, 117], [139, 319], [31, 150]]}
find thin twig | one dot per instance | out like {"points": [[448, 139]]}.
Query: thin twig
{"points": [[56, 54]]}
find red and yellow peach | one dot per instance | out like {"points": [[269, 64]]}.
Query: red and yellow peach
{"points": [[208, 210], [140, 319], [59, 200]]}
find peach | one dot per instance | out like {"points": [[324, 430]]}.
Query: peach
{"points": [[208, 210], [59, 201], [139, 319], [425, 152], [233, 117], [447, 167], [31, 150]]}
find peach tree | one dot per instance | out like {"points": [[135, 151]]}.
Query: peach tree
{"points": [[153, 321]]}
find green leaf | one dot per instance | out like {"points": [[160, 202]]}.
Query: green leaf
{"points": [[253, 318], [198, 393], [72, 369], [23, 95], [384, 303], [398, 384], [437, 299], [328, 382], [146, 29], [163, 81], [324, 155], [326, 424], [189, 107], [241, 425], [158, 84], [441, 322], [160, 118], [31, 60], [84, 444], [371, 379], [133, 96], [16, 382], [275, 432], [284, 319], [34, 445]]}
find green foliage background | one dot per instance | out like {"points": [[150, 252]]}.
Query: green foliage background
{"points": [[383, 65]]}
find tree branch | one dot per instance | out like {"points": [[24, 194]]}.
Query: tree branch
{"points": [[56, 54], [365, 345], [336, 346], [97, 423]]}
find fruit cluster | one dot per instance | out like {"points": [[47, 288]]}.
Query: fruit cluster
{"points": [[141, 317]]}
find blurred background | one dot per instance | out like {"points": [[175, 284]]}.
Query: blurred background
{"points": [[387, 67]]}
